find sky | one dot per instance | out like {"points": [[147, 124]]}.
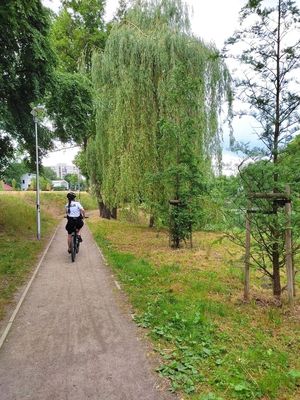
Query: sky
{"points": [[211, 20]]}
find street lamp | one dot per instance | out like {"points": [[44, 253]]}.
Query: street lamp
{"points": [[78, 178], [36, 111]]}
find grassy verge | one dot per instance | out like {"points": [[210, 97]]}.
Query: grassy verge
{"points": [[19, 248], [213, 346]]}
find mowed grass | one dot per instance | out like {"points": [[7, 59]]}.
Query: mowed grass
{"points": [[53, 203], [212, 345], [19, 248]]}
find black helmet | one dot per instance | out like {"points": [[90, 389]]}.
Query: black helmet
{"points": [[71, 195]]}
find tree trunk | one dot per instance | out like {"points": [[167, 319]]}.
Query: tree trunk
{"points": [[276, 232], [276, 269], [106, 212], [151, 221], [114, 212], [101, 207]]}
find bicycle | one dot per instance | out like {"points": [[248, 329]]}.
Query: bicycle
{"points": [[74, 244]]}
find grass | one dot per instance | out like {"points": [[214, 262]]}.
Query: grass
{"points": [[19, 248], [212, 345]]}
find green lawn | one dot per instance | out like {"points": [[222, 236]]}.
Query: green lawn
{"points": [[212, 345]]}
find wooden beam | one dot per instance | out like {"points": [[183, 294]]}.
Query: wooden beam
{"points": [[254, 211], [288, 250], [247, 258], [269, 195]]}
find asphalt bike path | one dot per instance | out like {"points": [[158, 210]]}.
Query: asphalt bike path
{"points": [[73, 338]]}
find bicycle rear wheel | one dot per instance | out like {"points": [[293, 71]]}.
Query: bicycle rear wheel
{"points": [[73, 247]]}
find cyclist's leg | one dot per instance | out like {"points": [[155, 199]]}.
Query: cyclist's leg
{"points": [[79, 225], [69, 242], [70, 228]]}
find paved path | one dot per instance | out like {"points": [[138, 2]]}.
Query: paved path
{"points": [[72, 339]]}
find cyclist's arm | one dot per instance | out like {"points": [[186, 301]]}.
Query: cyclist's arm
{"points": [[82, 211]]}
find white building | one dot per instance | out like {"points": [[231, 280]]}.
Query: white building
{"points": [[26, 181], [60, 183], [62, 170]]}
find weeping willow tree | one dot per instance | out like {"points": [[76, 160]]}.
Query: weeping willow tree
{"points": [[159, 94]]}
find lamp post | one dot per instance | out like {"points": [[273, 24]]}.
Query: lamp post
{"points": [[35, 112], [78, 178]]}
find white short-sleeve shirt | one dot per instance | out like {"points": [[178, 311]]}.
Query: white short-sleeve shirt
{"points": [[75, 209]]}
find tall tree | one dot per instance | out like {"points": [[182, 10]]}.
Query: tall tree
{"points": [[159, 90], [70, 106], [77, 31], [26, 66], [270, 53]]}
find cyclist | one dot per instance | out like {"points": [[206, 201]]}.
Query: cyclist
{"points": [[75, 214]]}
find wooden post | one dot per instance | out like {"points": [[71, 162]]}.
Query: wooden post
{"points": [[288, 249], [247, 258]]}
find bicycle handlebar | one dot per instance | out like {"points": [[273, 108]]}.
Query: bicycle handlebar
{"points": [[65, 216]]}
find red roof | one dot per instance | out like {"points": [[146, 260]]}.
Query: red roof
{"points": [[6, 187]]}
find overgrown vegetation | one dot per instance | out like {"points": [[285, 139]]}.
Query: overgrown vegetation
{"points": [[211, 345]]}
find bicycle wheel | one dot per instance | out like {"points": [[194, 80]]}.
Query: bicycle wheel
{"points": [[73, 247]]}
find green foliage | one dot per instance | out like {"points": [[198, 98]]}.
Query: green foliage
{"points": [[80, 162], [48, 173], [6, 150], [73, 181], [70, 106], [77, 30], [14, 171], [26, 67], [158, 92], [44, 183]]}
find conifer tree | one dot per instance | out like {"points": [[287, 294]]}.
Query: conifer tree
{"points": [[269, 56]]}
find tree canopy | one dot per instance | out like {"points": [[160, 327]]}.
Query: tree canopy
{"points": [[76, 32], [26, 67], [158, 95]]}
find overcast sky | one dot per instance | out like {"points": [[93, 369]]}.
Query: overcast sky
{"points": [[211, 20]]}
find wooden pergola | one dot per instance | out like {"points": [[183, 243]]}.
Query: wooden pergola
{"points": [[283, 200]]}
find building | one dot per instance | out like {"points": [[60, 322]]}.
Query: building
{"points": [[26, 181], [61, 170], [60, 184], [4, 186]]}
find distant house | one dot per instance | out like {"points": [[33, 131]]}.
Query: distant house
{"points": [[60, 184], [7, 187], [4, 186], [26, 181]]}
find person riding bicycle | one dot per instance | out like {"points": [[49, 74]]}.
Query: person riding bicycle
{"points": [[75, 214]]}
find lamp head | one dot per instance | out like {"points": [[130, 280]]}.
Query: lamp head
{"points": [[37, 110]]}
